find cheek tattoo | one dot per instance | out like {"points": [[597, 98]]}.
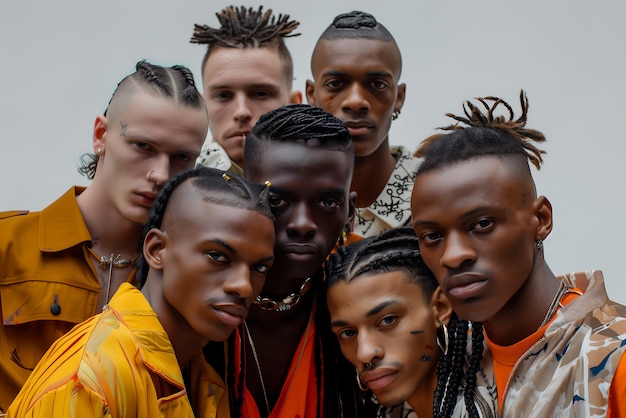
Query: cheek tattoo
{"points": [[123, 133], [417, 332]]}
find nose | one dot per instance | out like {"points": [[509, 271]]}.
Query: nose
{"points": [[301, 222], [238, 282], [457, 251], [160, 170], [242, 112], [368, 348], [355, 99]]}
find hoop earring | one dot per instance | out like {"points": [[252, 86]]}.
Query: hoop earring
{"points": [[395, 114], [358, 381], [446, 340], [150, 176]]}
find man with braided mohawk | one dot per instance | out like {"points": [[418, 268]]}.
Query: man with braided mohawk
{"points": [[247, 71], [356, 66], [278, 365], [59, 266], [389, 316], [555, 344], [202, 267]]}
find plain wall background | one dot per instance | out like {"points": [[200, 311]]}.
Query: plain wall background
{"points": [[62, 60]]}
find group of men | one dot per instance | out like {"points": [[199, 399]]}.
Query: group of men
{"points": [[208, 284]]}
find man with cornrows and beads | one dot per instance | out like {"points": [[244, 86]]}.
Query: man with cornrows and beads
{"points": [[247, 70], [60, 266], [356, 67], [397, 328], [555, 344], [278, 364], [200, 270]]}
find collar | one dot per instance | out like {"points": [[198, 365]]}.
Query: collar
{"points": [[61, 225]]}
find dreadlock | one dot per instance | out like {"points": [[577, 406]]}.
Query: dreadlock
{"points": [[175, 83], [398, 250], [485, 134], [217, 187], [309, 125], [242, 27]]}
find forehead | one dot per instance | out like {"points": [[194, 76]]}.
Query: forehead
{"points": [[481, 182], [358, 297], [296, 166], [356, 56], [241, 66]]}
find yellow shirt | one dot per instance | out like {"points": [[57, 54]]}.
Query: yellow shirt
{"points": [[119, 363], [48, 283]]}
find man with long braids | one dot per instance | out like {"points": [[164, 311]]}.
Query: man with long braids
{"points": [[396, 327], [278, 363], [247, 70], [555, 343], [59, 266], [356, 66], [201, 269]]}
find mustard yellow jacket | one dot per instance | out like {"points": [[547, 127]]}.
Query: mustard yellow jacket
{"points": [[119, 363], [48, 284]]}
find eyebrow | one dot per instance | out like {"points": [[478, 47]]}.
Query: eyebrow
{"points": [[375, 310], [465, 215], [336, 191], [335, 73], [232, 250], [132, 136], [268, 86]]}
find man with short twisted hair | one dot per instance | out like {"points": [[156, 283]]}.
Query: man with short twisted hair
{"points": [[247, 70]]}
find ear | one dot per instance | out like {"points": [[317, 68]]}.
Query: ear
{"points": [[310, 92], [99, 130], [295, 97], [351, 210], [543, 212], [442, 309], [154, 248], [400, 97]]}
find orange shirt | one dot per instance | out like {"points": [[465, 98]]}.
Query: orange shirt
{"points": [[48, 284]]}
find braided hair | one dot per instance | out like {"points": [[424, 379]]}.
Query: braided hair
{"points": [[242, 27], [302, 123], [484, 134], [398, 250], [175, 83], [217, 187]]}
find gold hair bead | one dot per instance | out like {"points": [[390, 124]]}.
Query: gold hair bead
{"points": [[226, 177], [268, 184]]}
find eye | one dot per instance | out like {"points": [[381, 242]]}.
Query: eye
{"points": [[345, 334], [483, 225], [333, 84], [181, 158], [260, 268], [388, 321], [430, 237], [222, 95], [329, 203], [380, 84], [276, 201], [261, 94], [217, 256], [142, 146]]}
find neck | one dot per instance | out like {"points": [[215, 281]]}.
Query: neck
{"points": [[111, 233], [422, 399], [371, 174], [523, 314]]}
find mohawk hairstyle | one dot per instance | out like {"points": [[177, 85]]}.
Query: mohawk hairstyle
{"points": [[298, 123], [398, 250], [215, 186], [357, 24], [175, 83], [248, 28], [484, 134]]}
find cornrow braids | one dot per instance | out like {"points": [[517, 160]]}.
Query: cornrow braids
{"points": [[216, 186], [355, 25], [309, 125], [175, 83], [483, 134]]}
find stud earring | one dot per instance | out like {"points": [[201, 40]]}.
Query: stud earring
{"points": [[539, 245], [395, 114]]}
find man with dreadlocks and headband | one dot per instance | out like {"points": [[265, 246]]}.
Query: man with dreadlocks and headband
{"points": [[202, 267], [278, 364], [397, 328], [59, 266], [356, 66], [247, 70], [555, 343]]}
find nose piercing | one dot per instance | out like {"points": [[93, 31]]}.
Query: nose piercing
{"points": [[368, 365], [150, 176]]}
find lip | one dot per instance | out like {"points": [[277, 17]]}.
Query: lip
{"points": [[465, 285], [238, 135], [378, 378], [359, 127], [230, 313], [300, 252], [146, 198]]}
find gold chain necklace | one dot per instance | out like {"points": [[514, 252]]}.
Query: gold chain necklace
{"points": [[295, 369], [288, 301]]}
